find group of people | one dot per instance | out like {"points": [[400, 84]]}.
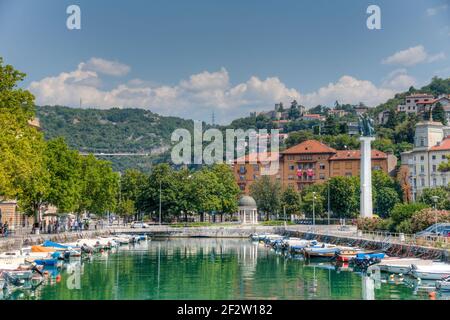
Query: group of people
{"points": [[4, 228]]}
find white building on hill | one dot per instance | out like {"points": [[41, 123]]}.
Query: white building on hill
{"points": [[431, 146]]}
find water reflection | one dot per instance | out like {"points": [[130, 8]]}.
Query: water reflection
{"points": [[213, 269]]}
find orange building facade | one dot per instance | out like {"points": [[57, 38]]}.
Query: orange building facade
{"points": [[308, 163]]}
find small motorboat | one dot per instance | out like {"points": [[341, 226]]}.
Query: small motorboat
{"points": [[321, 251], [401, 265], [345, 254], [366, 259], [435, 271], [443, 285]]}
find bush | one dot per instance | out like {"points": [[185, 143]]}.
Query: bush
{"points": [[427, 217], [373, 224], [403, 212]]}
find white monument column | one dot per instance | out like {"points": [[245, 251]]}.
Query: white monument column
{"points": [[366, 177]]}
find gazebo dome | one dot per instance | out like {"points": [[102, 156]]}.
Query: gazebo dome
{"points": [[247, 201]]}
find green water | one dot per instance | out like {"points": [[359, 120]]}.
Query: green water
{"points": [[211, 269]]}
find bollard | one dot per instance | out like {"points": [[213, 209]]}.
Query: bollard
{"points": [[402, 237]]}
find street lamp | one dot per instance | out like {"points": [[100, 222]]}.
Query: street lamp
{"points": [[314, 211], [160, 202], [435, 200]]}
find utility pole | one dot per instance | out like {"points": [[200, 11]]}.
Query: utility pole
{"points": [[159, 202], [328, 202], [284, 210]]}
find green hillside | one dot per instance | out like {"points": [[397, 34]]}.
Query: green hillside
{"points": [[113, 131]]}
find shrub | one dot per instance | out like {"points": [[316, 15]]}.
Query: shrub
{"points": [[403, 212], [373, 224], [427, 217]]}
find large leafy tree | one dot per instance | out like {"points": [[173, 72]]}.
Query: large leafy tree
{"points": [[267, 193], [99, 186], [386, 193], [21, 145], [291, 201], [442, 200], [228, 191], [344, 196], [64, 167]]}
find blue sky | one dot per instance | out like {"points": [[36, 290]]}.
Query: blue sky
{"points": [[187, 58]]}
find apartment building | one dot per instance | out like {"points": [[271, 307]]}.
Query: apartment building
{"points": [[431, 147], [311, 162]]}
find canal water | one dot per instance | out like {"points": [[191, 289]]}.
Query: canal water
{"points": [[199, 268]]}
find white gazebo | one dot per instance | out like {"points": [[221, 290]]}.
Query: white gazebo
{"points": [[248, 211]]}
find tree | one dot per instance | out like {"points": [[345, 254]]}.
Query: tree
{"points": [[266, 193], [439, 113], [228, 191], [291, 200], [331, 126], [386, 193], [21, 145], [131, 183], [99, 187], [443, 200], [313, 201], [125, 208], [404, 211], [64, 167], [445, 166], [344, 196]]}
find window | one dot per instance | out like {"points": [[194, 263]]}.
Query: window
{"points": [[422, 143], [443, 157], [422, 158], [242, 187], [444, 181], [290, 157], [376, 168], [422, 168], [255, 177], [322, 176], [290, 177], [422, 182], [242, 169], [241, 178], [434, 182], [433, 157], [348, 174], [291, 167], [415, 183], [255, 167], [434, 168], [322, 166]]}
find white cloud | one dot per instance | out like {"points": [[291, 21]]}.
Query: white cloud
{"points": [[197, 96], [399, 80], [112, 68], [412, 56], [435, 10], [191, 98], [348, 90]]}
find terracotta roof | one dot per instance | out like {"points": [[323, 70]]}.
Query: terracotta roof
{"points": [[309, 146], [356, 154], [444, 145]]}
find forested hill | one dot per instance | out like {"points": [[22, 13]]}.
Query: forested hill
{"points": [[113, 131], [110, 131]]}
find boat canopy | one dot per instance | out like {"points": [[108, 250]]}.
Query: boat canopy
{"points": [[52, 244]]}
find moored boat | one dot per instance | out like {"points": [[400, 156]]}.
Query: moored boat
{"points": [[443, 285], [401, 265], [435, 271]]}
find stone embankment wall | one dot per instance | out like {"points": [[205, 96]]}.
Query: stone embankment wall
{"points": [[392, 249], [14, 243]]}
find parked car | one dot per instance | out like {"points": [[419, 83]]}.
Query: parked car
{"points": [[137, 224], [436, 230]]}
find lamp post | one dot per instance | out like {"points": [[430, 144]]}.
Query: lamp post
{"points": [[159, 202], [435, 200], [314, 211]]}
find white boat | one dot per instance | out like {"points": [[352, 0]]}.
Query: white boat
{"points": [[436, 271], [401, 265], [11, 263], [443, 285]]}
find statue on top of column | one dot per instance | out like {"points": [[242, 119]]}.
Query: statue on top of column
{"points": [[366, 126]]}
